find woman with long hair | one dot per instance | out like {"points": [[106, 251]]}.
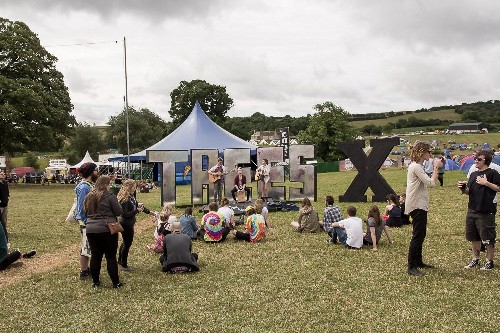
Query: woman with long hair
{"points": [[393, 211], [308, 219], [101, 207], [263, 171], [375, 224], [130, 208], [417, 203]]}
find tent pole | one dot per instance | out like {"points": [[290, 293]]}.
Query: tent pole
{"points": [[126, 106]]}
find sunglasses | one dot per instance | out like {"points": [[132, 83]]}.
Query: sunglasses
{"points": [[478, 159]]}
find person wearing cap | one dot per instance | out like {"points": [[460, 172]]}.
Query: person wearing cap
{"points": [[218, 171], [89, 173], [177, 256], [255, 226], [213, 229], [417, 202]]}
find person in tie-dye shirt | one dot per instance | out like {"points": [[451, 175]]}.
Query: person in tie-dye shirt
{"points": [[213, 229], [255, 227]]}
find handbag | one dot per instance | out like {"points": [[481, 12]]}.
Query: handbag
{"points": [[72, 213], [115, 227]]}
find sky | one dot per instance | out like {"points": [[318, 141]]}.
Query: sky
{"points": [[277, 57]]}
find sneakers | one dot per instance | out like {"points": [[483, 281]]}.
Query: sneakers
{"points": [[29, 254], [331, 241], [473, 263], [118, 285], [415, 272], [488, 266], [85, 274]]}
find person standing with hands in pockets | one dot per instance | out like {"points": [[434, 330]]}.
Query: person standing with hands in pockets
{"points": [[417, 202], [481, 187]]}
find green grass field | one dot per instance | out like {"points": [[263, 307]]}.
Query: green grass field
{"points": [[288, 283]]}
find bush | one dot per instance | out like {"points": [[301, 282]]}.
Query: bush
{"points": [[31, 160]]}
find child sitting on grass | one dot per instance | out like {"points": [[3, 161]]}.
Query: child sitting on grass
{"points": [[163, 228]]}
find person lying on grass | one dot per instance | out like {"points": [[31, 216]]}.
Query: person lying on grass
{"points": [[375, 225], [11, 259], [255, 226], [350, 230], [308, 219]]}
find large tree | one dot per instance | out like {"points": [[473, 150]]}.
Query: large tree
{"points": [[213, 99], [145, 128], [328, 126], [35, 107], [85, 138]]}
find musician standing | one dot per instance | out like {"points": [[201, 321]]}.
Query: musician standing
{"points": [[240, 182], [218, 171], [263, 171]]}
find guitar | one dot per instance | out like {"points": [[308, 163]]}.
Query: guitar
{"points": [[259, 175], [213, 177]]}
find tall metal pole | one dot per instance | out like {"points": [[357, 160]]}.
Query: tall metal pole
{"points": [[126, 106]]}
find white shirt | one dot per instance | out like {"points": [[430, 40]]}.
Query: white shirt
{"points": [[227, 212], [417, 181], [429, 165], [354, 229]]}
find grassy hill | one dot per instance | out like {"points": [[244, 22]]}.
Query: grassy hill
{"points": [[445, 114]]}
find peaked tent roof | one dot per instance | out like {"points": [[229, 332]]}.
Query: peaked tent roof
{"points": [[85, 159], [198, 131]]}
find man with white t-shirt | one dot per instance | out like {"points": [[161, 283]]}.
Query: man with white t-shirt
{"points": [[350, 230], [227, 212]]}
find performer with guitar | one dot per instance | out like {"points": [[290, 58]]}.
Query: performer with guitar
{"points": [[216, 176], [262, 175], [240, 182]]}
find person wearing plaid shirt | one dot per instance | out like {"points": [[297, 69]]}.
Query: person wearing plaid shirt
{"points": [[331, 214]]}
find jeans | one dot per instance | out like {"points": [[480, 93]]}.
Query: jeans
{"points": [[9, 259], [419, 217], [338, 233], [128, 238], [218, 191], [103, 244], [234, 190]]}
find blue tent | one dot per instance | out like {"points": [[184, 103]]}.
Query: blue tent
{"points": [[451, 165], [468, 163], [198, 131]]}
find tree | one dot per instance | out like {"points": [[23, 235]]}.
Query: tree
{"points": [[85, 138], [35, 107], [327, 127], [31, 160], [213, 99], [145, 129]]}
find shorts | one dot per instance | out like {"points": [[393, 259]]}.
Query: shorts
{"points": [[85, 247], [480, 227]]}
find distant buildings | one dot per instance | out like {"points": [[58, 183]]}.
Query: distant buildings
{"points": [[269, 138], [466, 127]]}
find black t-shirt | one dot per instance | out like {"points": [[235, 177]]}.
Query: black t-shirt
{"points": [[480, 196]]}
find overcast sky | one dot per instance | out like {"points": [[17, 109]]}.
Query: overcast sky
{"points": [[275, 57]]}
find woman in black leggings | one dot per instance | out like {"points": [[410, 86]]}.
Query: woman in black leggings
{"points": [[130, 208], [101, 208]]}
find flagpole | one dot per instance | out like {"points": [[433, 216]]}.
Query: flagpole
{"points": [[126, 106]]}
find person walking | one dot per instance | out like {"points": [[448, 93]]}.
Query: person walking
{"points": [[417, 202], [89, 173], [101, 207]]}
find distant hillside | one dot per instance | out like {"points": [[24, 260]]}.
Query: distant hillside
{"points": [[446, 114]]}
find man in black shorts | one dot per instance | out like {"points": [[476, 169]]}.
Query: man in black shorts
{"points": [[480, 221]]}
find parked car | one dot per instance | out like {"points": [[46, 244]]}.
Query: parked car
{"points": [[13, 177]]}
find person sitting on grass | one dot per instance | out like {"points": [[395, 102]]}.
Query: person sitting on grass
{"points": [[177, 256], [161, 230], [331, 215], [9, 259], [188, 223], [262, 210], [213, 229], [405, 219], [227, 212], [393, 212], [375, 224], [308, 219], [350, 230], [255, 226]]}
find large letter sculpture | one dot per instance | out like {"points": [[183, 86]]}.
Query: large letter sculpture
{"points": [[167, 159], [368, 169], [203, 159]]}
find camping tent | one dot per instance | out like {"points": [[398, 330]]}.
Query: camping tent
{"points": [[198, 131], [451, 165]]}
